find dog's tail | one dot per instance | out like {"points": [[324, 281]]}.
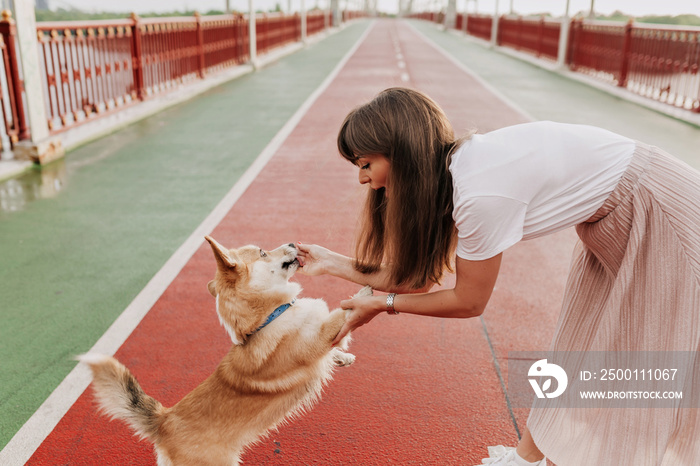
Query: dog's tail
{"points": [[120, 396]]}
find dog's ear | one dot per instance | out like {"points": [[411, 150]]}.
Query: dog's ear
{"points": [[211, 286], [223, 259]]}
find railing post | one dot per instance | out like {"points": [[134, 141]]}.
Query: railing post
{"points": [[9, 33], [303, 21], [499, 29], [41, 147], [200, 44], [137, 58], [494, 27], [261, 35], [450, 15], [540, 36], [335, 8], [576, 25], [241, 46], [565, 26], [627, 44], [252, 35]]}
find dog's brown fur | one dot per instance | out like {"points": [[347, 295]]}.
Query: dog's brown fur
{"points": [[266, 377]]}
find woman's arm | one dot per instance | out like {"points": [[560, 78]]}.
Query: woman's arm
{"points": [[468, 298], [317, 260]]}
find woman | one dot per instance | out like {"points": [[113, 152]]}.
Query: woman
{"points": [[639, 257]]}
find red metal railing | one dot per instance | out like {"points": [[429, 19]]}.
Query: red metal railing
{"points": [[96, 67], [659, 62], [353, 14], [459, 21], [225, 40], [276, 29], [347, 15], [317, 21], [168, 51], [12, 86], [663, 64], [87, 68], [597, 49], [426, 16], [480, 26], [537, 36]]}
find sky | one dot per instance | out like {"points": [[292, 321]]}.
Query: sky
{"points": [[555, 7]]}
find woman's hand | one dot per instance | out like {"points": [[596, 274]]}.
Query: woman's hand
{"points": [[314, 260], [362, 310]]}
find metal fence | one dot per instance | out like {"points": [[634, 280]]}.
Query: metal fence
{"points": [[480, 26], [658, 62], [87, 69], [317, 21], [537, 36], [225, 41], [274, 30], [95, 67], [92, 68]]}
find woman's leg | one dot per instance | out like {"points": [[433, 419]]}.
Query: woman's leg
{"points": [[527, 449]]}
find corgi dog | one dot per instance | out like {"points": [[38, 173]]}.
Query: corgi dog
{"points": [[280, 360]]}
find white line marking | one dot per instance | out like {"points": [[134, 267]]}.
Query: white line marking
{"points": [[405, 77], [478, 78], [39, 426]]}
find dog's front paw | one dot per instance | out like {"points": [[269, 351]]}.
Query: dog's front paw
{"points": [[341, 358], [365, 291]]}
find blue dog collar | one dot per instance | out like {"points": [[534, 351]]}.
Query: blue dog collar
{"points": [[275, 314]]}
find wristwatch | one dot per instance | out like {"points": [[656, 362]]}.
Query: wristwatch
{"points": [[390, 304]]}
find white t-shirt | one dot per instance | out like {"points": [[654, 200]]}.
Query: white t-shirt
{"points": [[529, 180]]}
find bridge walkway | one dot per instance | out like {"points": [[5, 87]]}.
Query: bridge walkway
{"points": [[105, 251]]}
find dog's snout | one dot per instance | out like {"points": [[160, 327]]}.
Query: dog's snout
{"points": [[292, 245]]}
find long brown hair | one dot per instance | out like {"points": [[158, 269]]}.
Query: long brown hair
{"points": [[412, 228]]}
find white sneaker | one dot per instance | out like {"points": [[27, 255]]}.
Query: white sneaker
{"points": [[506, 456]]}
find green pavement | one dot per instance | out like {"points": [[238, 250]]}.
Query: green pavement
{"points": [[546, 95], [102, 222]]}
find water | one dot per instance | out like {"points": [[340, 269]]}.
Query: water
{"points": [[39, 183]]}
